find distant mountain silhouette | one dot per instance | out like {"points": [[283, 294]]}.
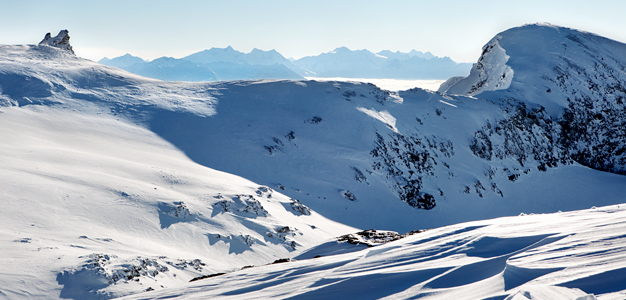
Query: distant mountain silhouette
{"points": [[229, 64]]}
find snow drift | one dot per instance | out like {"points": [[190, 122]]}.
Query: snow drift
{"points": [[575, 255]]}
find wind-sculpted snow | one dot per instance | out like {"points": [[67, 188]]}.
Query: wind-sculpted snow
{"points": [[554, 256], [46, 75], [109, 175], [490, 73]]}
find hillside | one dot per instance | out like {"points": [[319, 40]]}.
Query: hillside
{"points": [[362, 156], [96, 206], [115, 183]]}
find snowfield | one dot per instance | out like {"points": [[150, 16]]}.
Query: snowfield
{"points": [[96, 206], [573, 255], [114, 184]]}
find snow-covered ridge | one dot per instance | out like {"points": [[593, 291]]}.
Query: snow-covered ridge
{"points": [[313, 141], [48, 75], [576, 77]]}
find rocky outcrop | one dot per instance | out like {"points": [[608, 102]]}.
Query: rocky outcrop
{"points": [[62, 40], [372, 237]]}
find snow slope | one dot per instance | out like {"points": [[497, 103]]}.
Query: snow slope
{"points": [[360, 155], [573, 255], [461, 158], [96, 206], [87, 140]]}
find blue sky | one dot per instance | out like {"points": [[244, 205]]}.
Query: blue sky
{"points": [[151, 29]]}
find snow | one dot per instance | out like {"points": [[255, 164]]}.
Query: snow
{"points": [[383, 116], [91, 197], [574, 255], [491, 73], [312, 139], [389, 84], [114, 184]]}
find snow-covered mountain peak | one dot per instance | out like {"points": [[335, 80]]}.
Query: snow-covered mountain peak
{"points": [[341, 49], [227, 54], [62, 40], [576, 77], [549, 63], [125, 61]]}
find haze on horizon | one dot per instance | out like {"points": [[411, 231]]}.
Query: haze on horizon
{"points": [[151, 29]]}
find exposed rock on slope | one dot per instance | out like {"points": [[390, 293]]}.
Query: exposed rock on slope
{"points": [[351, 151], [84, 143], [95, 206], [561, 256], [62, 40], [521, 135], [577, 78]]}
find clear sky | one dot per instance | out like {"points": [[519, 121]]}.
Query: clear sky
{"points": [[295, 28]]}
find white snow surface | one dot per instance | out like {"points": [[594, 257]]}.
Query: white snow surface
{"points": [[568, 255], [393, 85], [110, 185], [96, 206]]}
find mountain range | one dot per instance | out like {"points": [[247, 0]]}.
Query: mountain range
{"points": [[229, 64], [116, 184]]}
